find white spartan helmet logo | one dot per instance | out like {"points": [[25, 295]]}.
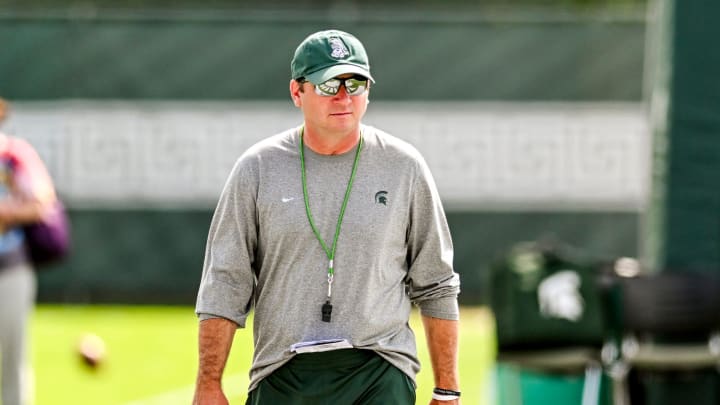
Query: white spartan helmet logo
{"points": [[559, 296], [339, 50]]}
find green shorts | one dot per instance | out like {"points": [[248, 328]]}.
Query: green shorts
{"points": [[338, 377]]}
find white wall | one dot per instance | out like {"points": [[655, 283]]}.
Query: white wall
{"points": [[500, 156]]}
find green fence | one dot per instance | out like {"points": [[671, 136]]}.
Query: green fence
{"points": [[449, 55], [141, 256]]}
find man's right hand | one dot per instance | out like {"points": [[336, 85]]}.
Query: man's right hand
{"points": [[210, 396]]}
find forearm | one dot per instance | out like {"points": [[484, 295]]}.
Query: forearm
{"points": [[14, 211], [214, 341], [442, 340]]}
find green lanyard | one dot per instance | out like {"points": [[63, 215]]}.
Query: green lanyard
{"points": [[330, 253]]}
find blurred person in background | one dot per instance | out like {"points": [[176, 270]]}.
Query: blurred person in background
{"points": [[26, 192], [331, 230]]}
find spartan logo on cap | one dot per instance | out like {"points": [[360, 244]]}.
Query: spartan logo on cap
{"points": [[381, 197], [339, 50]]}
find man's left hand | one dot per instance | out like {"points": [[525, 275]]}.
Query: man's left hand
{"points": [[436, 402]]}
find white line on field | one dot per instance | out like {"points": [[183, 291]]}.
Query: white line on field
{"points": [[234, 385]]}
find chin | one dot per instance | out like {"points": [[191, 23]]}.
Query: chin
{"points": [[343, 125]]}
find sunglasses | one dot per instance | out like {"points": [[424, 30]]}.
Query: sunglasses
{"points": [[354, 86]]}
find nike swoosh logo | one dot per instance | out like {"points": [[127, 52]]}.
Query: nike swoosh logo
{"points": [[286, 199]]}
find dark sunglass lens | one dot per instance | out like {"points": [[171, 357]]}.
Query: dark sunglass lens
{"points": [[355, 85], [329, 87]]}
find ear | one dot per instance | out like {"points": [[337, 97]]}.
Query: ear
{"points": [[295, 93]]}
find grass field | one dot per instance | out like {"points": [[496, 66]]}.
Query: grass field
{"points": [[151, 356]]}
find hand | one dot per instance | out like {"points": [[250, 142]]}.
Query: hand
{"points": [[210, 396]]}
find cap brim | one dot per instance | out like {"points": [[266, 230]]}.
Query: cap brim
{"points": [[326, 74]]}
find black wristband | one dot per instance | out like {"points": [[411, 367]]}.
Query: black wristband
{"points": [[442, 391]]}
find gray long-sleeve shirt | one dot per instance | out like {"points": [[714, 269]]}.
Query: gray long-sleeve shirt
{"points": [[394, 249]]}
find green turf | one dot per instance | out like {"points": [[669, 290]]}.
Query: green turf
{"points": [[151, 356]]}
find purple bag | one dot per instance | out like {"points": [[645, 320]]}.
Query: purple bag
{"points": [[48, 241]]}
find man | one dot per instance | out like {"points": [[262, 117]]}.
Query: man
{"points": [[331, 230], [26, 193]]}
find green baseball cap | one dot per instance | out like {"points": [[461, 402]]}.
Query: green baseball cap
{"points": [[327, 54]]}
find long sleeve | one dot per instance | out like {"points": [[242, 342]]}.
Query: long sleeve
{"points": [[433, 285], [228, 279]]}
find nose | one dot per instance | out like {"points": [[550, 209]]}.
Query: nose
{"points": [[342, 92]]}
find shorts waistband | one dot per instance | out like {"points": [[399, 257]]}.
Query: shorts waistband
{"points": [[333, 358]]}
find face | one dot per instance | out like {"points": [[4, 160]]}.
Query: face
{"points": [[329, 115]]}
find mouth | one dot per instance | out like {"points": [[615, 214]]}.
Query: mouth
{"points": [[339, 114]]}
